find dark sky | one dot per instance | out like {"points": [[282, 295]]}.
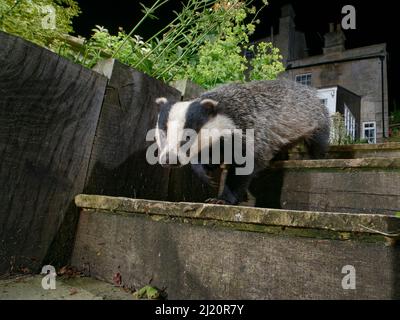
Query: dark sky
{"points": [[376, 23]]}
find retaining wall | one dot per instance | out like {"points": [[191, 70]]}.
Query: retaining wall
{"points": [[199, 251]]}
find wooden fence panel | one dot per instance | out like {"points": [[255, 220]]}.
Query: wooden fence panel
{"points": [[118, 165], [48, 114]]}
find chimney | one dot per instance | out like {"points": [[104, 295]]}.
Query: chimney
{"points": [[286, 38], [287, 11], [334, 39]]}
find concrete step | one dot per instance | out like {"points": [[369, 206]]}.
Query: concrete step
{"points": [[353, 151], [74, 288], [200, 251]]}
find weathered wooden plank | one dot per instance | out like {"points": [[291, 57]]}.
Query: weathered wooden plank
{"points": [[212, 253], [118, 165], [334, 221], [362, 185], [48, 114], [353, 151], [189, 90]]}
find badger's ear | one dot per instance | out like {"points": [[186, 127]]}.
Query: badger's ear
{"points": [[161, 101], [209, 104]]}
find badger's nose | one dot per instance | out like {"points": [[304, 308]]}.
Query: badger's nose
{"points": [[169, 160]]}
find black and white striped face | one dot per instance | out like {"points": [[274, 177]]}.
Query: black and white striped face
{"points": [[177, 121]]}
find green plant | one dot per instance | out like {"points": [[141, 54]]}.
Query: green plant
{"points": [[162, 54], [396, 131], [339, 135], [103, 45], [395, 117], [43, 22], [266, 63], [360, 141], [204, 43], [222, 59]]}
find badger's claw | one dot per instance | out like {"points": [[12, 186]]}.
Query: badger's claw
{"points": [[216, 201]]}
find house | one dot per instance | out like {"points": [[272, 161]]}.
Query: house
{"points": [[358, 72], [339, 99]]}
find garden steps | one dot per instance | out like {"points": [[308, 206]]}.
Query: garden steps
{"points": [[366, 185], [201, 251], [353, 151], [89, 127]]}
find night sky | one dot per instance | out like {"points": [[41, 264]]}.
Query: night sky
{"points": [[375, 24]]}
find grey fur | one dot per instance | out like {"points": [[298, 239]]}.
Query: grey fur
{"points": [[281, 112]]}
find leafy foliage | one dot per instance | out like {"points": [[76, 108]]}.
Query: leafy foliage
{"points": [[43, 22], [222, 60], [395, 117], [266, 63], [339, 135], [206, 42]]}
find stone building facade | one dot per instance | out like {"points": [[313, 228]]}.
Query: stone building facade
{"points": [[363, 71]]}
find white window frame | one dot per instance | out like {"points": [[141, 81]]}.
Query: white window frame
{"points": [[350, 122], [304, 76], [369, 128]]}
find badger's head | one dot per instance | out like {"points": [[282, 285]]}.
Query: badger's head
{"points": [[176, 125]]}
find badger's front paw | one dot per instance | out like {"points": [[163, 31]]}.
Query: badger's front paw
{"points": [[216, 201]]}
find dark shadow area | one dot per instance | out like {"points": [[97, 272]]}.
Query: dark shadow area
{"points": [[135, 178], [267, 188], [395, 252], [60, 250]]}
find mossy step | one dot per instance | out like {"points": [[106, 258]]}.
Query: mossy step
{"points": [[351, 151], [359, 163], [245, 218], [204, 251]]}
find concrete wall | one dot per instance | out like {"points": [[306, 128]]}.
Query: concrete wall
{"points": [[201, 251]]}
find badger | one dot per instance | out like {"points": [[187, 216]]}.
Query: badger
{"points": [[281, 113]]}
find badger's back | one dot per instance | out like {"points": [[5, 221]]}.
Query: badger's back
{"points": [[281, 112]]}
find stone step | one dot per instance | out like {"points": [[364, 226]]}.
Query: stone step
{"points": [[201, 251], [353, 151], [366, 185]]}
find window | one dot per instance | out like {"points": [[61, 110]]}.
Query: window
{"points": [[324, 102], [350, 122], [369, 131], [304, 79]]}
